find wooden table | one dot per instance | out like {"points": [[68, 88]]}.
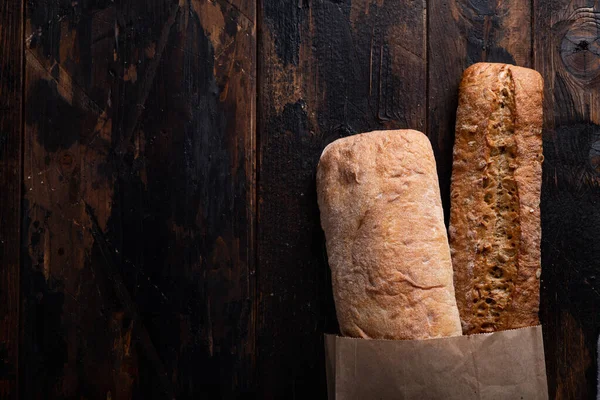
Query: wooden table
{"points": [[159, 230]]}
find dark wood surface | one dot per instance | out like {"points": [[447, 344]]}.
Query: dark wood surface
{"points": [[565, 51], [139, 200], [11, 91], [159, 231]]}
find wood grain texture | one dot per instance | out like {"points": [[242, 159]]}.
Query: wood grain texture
{"points": [[11, 86], [566, 53], [461, 33], [327, 70], [140, 200]]}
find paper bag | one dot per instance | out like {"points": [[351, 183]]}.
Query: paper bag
{"points": [[500, 365]]}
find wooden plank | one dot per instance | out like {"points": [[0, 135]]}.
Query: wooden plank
{"points": [[461, 33], [327, 70], [565, 52], [140, 200], [11, 87], [193, 203]]}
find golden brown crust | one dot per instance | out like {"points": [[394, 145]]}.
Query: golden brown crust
{"points": [[496, 181], [387, 245]]}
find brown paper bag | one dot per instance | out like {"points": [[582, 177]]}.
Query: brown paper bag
{"points": [[500, 365]]}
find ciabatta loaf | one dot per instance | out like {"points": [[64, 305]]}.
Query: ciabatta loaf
{"points": [[387, 245]]}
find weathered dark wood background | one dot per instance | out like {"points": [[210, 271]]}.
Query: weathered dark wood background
{"points": [[159, 231]]}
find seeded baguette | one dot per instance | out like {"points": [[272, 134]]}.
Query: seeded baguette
{"points": [[495, 193], [387, 245]]}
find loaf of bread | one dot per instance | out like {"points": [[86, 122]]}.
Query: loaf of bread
{"points": [[495, 195], [387, 245]]}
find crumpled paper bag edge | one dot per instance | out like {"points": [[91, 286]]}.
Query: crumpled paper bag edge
{"points": [[536, 356]]}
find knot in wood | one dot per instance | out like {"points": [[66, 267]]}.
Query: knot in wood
{"points": [[579, 48]]}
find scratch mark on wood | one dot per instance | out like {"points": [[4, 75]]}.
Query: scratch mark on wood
{"points": [[237, 9], [128, 304], [146, 84], [371, 63], [66, 83]]}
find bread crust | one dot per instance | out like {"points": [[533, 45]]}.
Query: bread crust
{"points": [[495, 227], [387, 245]]}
